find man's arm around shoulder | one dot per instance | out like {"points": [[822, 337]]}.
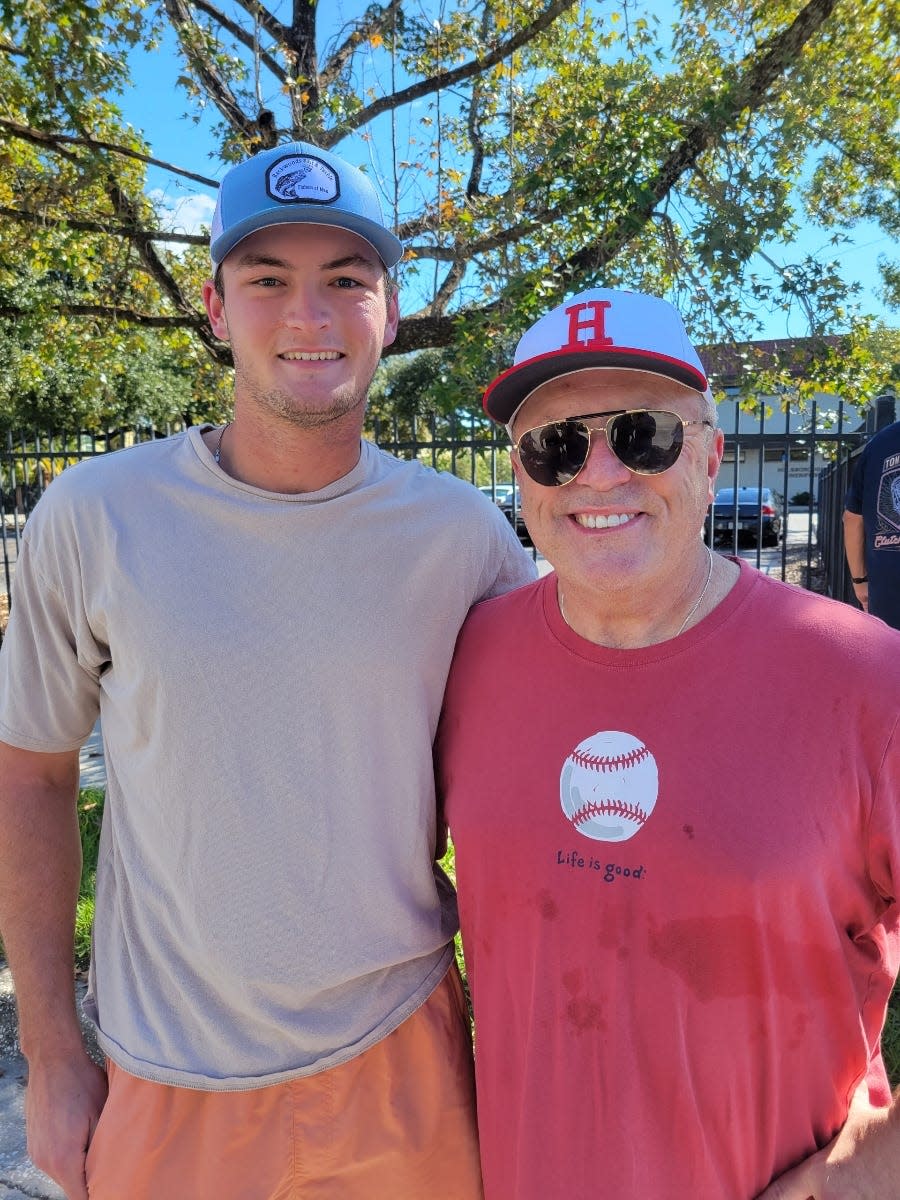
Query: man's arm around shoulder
{"points": [[40, 869]]}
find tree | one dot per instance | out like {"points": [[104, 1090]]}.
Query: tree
{"points": [[527, 149]]}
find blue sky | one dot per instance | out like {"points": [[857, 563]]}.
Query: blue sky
{"points": [[157, 107]]}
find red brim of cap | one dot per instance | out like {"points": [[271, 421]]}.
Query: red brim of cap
{"points": [[508, 390]]}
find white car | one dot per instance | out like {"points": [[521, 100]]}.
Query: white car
{"points": [[500, 493]]}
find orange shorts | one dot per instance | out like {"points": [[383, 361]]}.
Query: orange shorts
{"points": [[395, 1123]]}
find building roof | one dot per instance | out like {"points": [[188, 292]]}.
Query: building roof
{"points": [[727, 362]]}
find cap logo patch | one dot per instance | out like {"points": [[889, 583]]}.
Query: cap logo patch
{"points": [[303, 179], [586, 326]]}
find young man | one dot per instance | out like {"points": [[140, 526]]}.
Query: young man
{"points": [[872, 526], [263, 615], [672, 785]]}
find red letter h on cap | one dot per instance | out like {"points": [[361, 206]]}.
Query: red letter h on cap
{"points": [[587, 319]]}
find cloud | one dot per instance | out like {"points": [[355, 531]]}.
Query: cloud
{"points": [[185, 214]]}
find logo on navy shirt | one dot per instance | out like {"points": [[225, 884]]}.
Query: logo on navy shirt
{"points": [[887, 535]]}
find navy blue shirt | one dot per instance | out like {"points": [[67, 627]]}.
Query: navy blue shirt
{"points": [[874, 493]]}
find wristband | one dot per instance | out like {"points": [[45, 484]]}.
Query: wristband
{"points": [[861, 579]]}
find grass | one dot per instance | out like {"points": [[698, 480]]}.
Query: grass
{"points": [[890, 1039], [90, 815]]}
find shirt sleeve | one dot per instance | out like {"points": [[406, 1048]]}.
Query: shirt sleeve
{"points": [[853, 501], [516, 565], [50, 661]]}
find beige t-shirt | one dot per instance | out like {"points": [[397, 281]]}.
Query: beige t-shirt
{"points": [[269, 671]]}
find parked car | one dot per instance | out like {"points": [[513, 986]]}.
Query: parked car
{"points": [[511, 507], [754, 512], [506, 497], [498, 493]]}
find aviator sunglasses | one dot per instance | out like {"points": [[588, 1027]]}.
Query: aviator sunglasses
{"points": [[646, 440]]}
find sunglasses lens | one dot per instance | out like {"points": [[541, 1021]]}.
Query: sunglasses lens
{"points": [[646, 442], [554, 454]]}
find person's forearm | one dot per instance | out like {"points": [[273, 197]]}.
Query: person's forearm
{"points": [[40, 868], [855, 549], [855, 544]]}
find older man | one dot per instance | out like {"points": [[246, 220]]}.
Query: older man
{"points": [[672, 784], [263, 613]]}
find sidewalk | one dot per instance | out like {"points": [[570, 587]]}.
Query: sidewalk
{"points": [[93, 767], [19, 1180]]}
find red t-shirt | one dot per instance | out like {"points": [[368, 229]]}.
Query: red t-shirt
{"points": [[678, 877]]}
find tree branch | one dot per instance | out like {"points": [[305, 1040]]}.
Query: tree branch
{"points": [[110, 312], [190, 36], [457, 253], [415, 333], [422, 331], [115, 231], [747, 92], [56, 141], [255, 11], [434, 327], [301, 46], [240, 34], [447, 290], [446, 79], [157, 268], [374, 22], [473, 122]]}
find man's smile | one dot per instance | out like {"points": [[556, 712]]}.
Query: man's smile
{"points": [[601, 521]]}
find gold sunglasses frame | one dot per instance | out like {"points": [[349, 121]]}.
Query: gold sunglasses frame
{"points": [[614, 413]]}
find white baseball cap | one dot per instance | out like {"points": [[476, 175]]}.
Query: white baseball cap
{"points": [[298, 182], [597, 328]]}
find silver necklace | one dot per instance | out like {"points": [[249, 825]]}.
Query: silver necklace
{"points": [[699, 600], [217, 453], [683, 626]]}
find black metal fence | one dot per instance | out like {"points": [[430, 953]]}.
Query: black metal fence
{"points": [[784, 450], [832, 488], [29, 462]]}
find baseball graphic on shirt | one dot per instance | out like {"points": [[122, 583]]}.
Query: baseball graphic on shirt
{"points": [[608, 786]]}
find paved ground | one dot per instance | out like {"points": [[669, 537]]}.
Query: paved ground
{"points": [[93, 770], [19, 1180]]}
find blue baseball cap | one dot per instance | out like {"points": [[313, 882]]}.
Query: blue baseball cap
{"points": [[298, 182]]}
